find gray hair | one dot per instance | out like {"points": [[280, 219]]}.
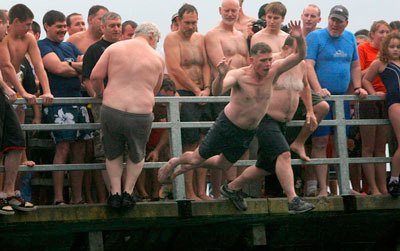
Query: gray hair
{"points": [[109, 16], [148, 29]]}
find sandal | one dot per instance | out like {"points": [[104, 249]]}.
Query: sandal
{"points": [[5, 208], [16, 202]]}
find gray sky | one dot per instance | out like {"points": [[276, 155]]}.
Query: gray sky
{"points": [[362, 12]]}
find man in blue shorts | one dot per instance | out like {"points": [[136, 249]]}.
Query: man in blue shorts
{"points": [[332, 62], [63, 64]]}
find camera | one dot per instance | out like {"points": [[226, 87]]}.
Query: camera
{"points": [[258, 25]]}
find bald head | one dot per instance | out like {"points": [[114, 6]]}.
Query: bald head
{"points": [[231, 2]]}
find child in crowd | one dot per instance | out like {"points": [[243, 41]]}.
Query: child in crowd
{"points": [[388, 67]]}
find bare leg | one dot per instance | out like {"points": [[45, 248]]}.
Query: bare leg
{"points": [[140, 185], [382, 138], [106, 179], [284, 173], [320, 110], [133, 171], [60, 157], [11, 166], [319, 151], [249, 174], [155, 194], [355, 176], [368, 137], [114, 171], [216, 182], [201, 181], [76, 177], [188, 160], [100, 186], [88, 175]]}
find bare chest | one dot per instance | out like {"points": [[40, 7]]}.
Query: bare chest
{"points": [[17, 50], [191, 54]]}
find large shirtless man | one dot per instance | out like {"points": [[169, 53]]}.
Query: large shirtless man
{"points": [[274, 152], [82, 40], [251, 89], [135, 72], [187, 65], [224, 40]]}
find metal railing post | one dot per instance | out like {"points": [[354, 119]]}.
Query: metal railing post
{"points": [[176, 146], [341, 147]]}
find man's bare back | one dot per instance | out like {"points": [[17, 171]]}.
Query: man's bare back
{"points": [[131, 85]]}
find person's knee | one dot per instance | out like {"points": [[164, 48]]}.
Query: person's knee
{"points": [[285, 156], [319, 143], [321, 109], [367, 150], [62, 148]]}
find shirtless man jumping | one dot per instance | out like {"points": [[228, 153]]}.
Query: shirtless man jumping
{"points": [[135, 72], [251, 89], [274, 153]]}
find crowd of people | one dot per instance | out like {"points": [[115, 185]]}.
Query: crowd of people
{"points": [[272, 73]]}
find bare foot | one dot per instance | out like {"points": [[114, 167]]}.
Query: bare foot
{"points": [[205, 197], [322, 194], [28, 163], [193, 197], [165, 171], [182, 169], [299, 149]]}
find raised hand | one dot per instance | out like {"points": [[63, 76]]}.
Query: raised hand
{"points": [[295, 28], [224, 66]]}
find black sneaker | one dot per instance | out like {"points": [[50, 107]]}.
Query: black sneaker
{"points": [[298, 206], [128, 200], [5, 208], [235, 196], [394, 189], [114, 200]]}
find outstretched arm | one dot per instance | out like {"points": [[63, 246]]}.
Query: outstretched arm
{"points": [[222, 82], [295, 58]]}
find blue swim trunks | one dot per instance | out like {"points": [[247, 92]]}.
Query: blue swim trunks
{"points": [[67, 114]]}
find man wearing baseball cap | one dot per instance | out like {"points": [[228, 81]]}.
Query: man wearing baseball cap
{"points": [[332, 63]]}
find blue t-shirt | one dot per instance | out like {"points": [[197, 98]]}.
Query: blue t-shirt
{"points": [[333, 57], [62, 86]]}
